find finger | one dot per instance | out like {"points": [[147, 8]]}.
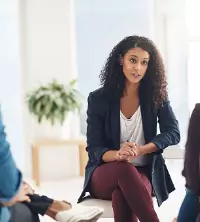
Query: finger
{"points": [[133, 145], [128, 144], [127, 158], [123, 158], [26, 199], [125, 154], [117, 154], [119, 158], [132, 151], [29, 191], [135, 152], [127, 151], [25, 186], [125, 147], [26, 192]]}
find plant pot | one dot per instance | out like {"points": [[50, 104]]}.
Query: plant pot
{"points": [[70, 129], [45, 130]]}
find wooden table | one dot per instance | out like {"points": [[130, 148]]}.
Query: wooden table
{"points": [[52, 144]]}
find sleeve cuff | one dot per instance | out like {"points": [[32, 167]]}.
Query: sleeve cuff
{"points": [[158, 144], [104, 150]]}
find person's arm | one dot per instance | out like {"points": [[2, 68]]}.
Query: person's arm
{"points": [[10, 176], [145, 149], [96, 141], [169, 129], [169, 132], [96, 146], [110, 156]]}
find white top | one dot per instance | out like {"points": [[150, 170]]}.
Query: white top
{"points": [[132, 130]]}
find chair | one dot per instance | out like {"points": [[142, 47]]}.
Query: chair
{"points": [[105, 204]]}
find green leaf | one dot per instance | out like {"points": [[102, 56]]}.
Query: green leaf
{"points": [[73, 82], [53, 101]]}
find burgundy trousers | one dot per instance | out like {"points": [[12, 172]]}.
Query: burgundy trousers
{"points": [[128, 188]]}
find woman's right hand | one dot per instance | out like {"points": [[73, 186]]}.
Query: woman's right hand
{"points": [[126, 152]]}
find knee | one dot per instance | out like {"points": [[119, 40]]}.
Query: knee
{"points": [[21, 212], [123, 168]]}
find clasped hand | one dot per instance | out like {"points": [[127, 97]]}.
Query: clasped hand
{"points": [[127, 152]]}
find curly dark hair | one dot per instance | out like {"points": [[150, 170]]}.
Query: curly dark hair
{"points": [[154, 83]]}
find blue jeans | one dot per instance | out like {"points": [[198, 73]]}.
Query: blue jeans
{"points": [[189, 209]]}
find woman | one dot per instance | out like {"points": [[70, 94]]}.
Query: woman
{"points": [[190, 206], [125, 162]]}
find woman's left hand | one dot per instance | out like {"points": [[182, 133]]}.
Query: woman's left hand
{"points": [[136, 149], [125, 152]]}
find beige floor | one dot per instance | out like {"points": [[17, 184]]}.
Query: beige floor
{"points": [[71, 188]]}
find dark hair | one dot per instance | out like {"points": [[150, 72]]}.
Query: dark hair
{"points": [[154, 82]]}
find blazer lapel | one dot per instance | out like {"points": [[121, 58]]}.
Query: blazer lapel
{"points": [[115, 121], [145, 112]]}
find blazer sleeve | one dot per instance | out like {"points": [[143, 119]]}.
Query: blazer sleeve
{"points": [[10, 179], [95, 130], [169, 129]]}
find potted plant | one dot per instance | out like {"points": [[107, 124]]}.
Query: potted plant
{"points": [[54, 102]]}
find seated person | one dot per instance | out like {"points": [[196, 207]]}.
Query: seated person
{"points": [[124, 148], [10, 176], [18, 201], [190, 206]]}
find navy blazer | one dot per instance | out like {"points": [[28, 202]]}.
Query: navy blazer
{"points": [[103, 134]]}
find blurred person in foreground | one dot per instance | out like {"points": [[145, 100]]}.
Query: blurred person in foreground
{"points": [[190, 206], [19, 203]]}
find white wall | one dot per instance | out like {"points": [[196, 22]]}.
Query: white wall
{"points": [[11, 88], [193, 15], [47, 49], [172, 37], [100, 25], [48, 52]]}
